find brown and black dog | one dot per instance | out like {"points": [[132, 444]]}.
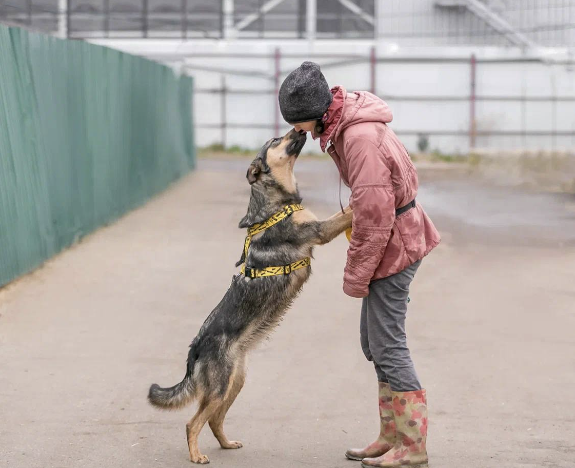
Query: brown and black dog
{"points": [[251, 307]]}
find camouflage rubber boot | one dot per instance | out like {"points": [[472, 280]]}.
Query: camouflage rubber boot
{"points": [[410, 412], [386, 438]]}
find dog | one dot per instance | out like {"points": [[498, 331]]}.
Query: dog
{"points": [[253, 306]]}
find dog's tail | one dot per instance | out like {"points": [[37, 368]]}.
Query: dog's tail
{"points": [[179, 395]]}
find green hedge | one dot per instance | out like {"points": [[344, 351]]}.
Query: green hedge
{"points": [[86, 134]]}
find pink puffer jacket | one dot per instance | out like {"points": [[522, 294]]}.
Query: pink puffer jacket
{"points": [[375, 165]]}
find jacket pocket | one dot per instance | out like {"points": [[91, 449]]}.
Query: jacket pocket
{"points": [[412, 230]]}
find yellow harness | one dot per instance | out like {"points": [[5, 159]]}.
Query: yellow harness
{"points": [[260, 227]]}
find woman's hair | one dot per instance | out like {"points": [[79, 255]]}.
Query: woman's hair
{"points": [[319, 127]]}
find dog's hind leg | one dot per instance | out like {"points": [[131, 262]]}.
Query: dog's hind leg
{"points": [[208, 406], [216, 422]]}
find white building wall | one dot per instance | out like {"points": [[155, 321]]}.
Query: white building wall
{"points": [[425, 95]]}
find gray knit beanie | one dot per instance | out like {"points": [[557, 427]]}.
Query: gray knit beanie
{"points": [[304, 95]]}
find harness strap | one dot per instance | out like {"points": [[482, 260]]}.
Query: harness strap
{"points": [[288, 210], [275, 270], [260, 227]]}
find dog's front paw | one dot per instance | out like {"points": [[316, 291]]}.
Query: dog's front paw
{"points": [[201, 459]]}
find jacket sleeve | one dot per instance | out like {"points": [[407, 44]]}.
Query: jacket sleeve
{"points": [[373, 203]]}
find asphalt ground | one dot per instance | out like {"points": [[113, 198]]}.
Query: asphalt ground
{"points": [[491, 328]]}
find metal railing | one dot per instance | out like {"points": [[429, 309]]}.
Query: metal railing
{"points": [[476, 133]]}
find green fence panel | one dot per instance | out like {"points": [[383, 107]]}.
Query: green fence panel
{"points": [[86, 134]]}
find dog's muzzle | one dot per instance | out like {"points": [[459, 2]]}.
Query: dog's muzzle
{"points": [[296, 145]]}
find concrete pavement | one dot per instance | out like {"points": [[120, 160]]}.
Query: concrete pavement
{"points": [[490, 325]]}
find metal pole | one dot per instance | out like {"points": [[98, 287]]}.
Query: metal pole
{"points": [[68, 18], [472, 99], [227, 9], [29, 10], [222, 19], [553, 109], [523, 115], [107, 18], [376, 12], [184, 19], [145, 17], [300, 19], [277, 72], [372, 65], [224, 111], [311, 14], [63, 18], [262, 18]]}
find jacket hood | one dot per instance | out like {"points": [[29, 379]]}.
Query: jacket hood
{"points": [[352, 108]]}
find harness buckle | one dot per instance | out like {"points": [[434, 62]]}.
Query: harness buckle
{"points": [[248, 272], [287, 269]]}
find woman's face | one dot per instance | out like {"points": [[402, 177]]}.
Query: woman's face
{"points": [[305, 126]]}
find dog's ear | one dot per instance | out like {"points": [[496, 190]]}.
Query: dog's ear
{"points": [[255, 169]]}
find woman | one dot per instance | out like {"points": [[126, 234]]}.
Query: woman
{"points": [[391, 234]]}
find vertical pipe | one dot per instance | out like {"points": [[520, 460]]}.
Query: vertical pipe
{"points": [[63, 18], [222, 19], [311, 15], [372, 65], [224, 111], [68, 18], [145, 17], [184, 24], [553, 109], [262, 18], [227, 16], [377, 25], [29, 10], [276, 91], [524, 114], [107, 18], [301, 25], [472, 122], [339, 20]]}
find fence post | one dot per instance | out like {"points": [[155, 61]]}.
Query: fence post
{"points": [[472, 99], [224, 111], [373, 65], [277, 57]]}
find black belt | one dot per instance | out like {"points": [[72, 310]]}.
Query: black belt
{"points": [[403, 209]]}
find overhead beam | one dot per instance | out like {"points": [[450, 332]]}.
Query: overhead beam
{"points": [[358, 11], [249, 19], [482, 11]]}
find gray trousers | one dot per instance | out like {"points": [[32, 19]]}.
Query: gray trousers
{"points": [[382, 330]]}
